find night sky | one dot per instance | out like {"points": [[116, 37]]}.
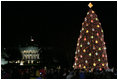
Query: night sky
{"points": [[56, 25]]}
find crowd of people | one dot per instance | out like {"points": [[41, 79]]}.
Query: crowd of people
{"points": [[54, 73]]}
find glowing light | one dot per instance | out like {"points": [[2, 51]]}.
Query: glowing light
{"points": [[96, 19], [94, 64], [21, 63], [81, 45], [93, 29], [96, 41], [28, 61], [80, 56], [32, 61], [79, 65], [97, 34], [76, 58], [32, 39], [100, 23], [99, 49], [88, 43], [90, 5], [100, 69], [96, 53], [102, 55], [91, 21], [77, 44], [82, 29], [78, 50], [93, 12], [91, 37], [104, 42], [84, 39], [98, 26], [87, 31], [104, 48], [101, 30], [98, 59], [75, 64], [89, 54], [103, 64], [84, 50], [75, 52], [86, 61], [84, 67], [82, 24], [87, 13]]}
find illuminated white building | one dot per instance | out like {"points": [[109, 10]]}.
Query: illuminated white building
{"points": [[30, 53]]}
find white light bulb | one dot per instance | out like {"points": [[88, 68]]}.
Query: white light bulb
{"points": [[88, 43], [86, 61], [75, 52], [104, 48], [93, 29], [96, 53], [75, 64]]}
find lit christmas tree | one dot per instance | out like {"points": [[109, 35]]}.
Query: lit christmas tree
{"points": [[91, 50]]}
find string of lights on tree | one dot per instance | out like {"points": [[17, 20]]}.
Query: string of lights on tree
{"points": [[91, 50]]}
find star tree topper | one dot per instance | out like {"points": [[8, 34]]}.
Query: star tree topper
{"points": [[90, 5]]}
